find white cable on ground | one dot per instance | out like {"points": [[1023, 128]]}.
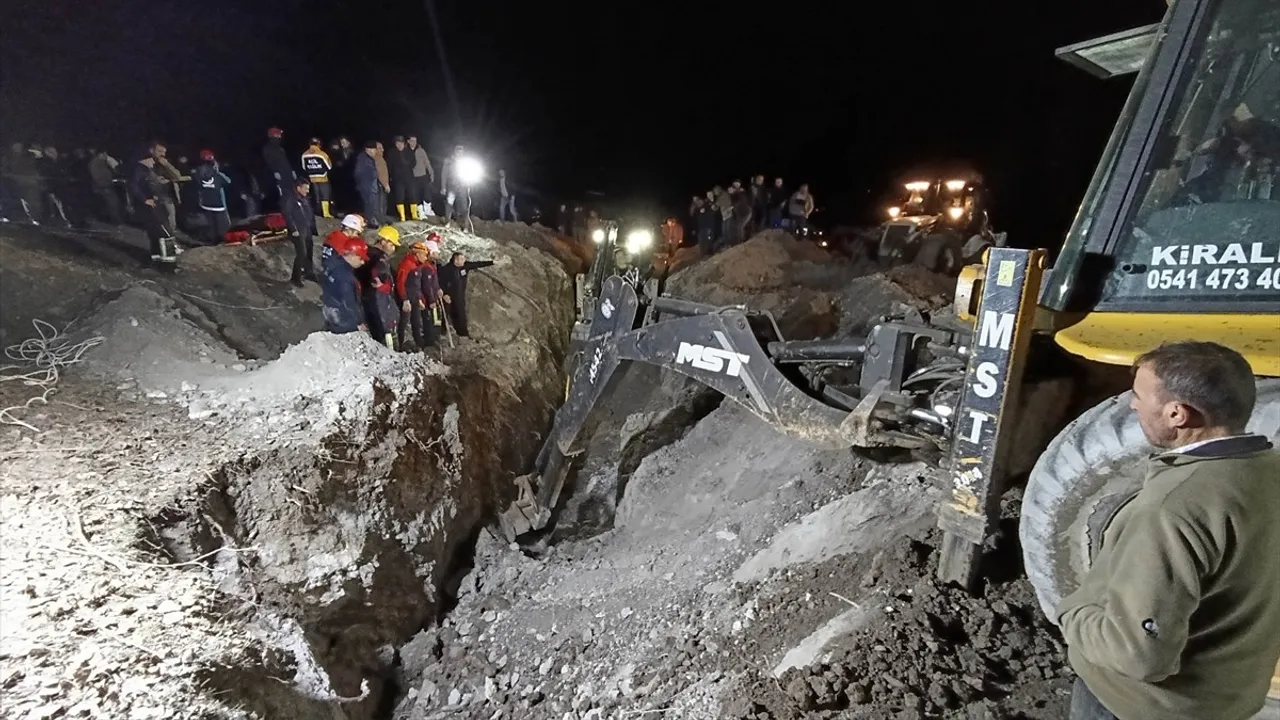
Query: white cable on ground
{"points": [[41, 360]]}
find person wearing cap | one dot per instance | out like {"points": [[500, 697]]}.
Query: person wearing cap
{"points": [[316, 166], [453, 285], [380, 311], [366, 177], [417, 290], [145, 188], [211, 193], [352, 226], [300, 219], [400, 166], [278, 163], [339, 288]]}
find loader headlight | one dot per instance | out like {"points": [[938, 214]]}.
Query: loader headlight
{"points": [[955, 213], [638, 241], [956, 185], [895, 211], [597, 236]]}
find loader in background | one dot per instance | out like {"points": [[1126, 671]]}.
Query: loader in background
{"points": [[1178, 236], [940, 224]]}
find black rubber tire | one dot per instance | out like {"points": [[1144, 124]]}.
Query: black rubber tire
{"points": [[1099, 454], [942, 253]]}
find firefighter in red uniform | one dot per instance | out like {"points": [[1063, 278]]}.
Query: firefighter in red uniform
{"points": [[418, 291]]}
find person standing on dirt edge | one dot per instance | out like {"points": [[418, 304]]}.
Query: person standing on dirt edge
{"points": [[380, 311], [412, 292], [453, 283], [339, 289], [211, 191], [1177, 616], [316, 166], [143, 188], [366, 178], [400, 166], [300, 218], [799, 208], [278, 164], [424, 178]]}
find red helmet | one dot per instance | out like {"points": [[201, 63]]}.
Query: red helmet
{"points": [[357, 247], [206, 155], [275, 132]]}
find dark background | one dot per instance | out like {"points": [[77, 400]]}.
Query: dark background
{"points": [[643, 101]]}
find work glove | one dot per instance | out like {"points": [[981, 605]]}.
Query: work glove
{"points": [[448, 300], [406, 306]]}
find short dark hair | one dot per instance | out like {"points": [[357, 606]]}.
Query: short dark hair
{"points": [[1214, 379]]}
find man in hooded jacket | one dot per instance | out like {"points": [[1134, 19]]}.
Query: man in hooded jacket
{"points": [[211, 192]]}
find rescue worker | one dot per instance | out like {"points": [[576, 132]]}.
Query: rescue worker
{"points": [[400, 169], [380, 310], [339, 288], [300, 219], [418, 291], [316, 166], [211, 194], [424, 178], [144, 187], [799, 208], [366, 179], [278, 164], [1177, 615], [453, 285]]}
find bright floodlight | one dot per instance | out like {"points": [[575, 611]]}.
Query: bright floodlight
{"points": [[955, 212], [597, 236], [895, 211], [638, 241], [469, 170], [956, 185], [918, 185]]}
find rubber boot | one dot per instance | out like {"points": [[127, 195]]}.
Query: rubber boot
{"points": [[413, 211], [400, 209], [324, 209]]}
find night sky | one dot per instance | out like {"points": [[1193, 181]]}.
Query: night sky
{"points": [[646, 101]]}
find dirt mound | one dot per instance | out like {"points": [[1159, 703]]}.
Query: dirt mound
{"points": [[570, 254], [931, 651]]}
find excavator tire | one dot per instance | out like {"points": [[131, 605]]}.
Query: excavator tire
{"points": [[942, 253], [1094, 462]]}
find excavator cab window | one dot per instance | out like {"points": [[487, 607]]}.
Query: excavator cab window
{"points": [[1185, 213]]}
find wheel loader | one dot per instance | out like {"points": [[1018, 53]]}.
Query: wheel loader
{"points": [[1177, 237], [940, 224]]}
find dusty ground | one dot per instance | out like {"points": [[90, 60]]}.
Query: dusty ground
{"points": [[221, 515]]}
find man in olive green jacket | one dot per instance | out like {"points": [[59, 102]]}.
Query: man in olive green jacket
{"points": [[1179, 616]]}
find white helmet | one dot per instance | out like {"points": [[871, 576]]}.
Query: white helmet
{"points": [[353, 222]]}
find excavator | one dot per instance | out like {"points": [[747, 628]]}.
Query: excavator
{"points": [[1177, 236], [939, 224]]}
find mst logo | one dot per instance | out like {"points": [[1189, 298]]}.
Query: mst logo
{"points": [[711, 359]]}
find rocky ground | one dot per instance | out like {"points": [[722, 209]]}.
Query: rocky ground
{"points": [[219, 514]]}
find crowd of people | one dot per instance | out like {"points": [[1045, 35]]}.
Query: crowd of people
{"points": [[727, 216], [177, 199]]}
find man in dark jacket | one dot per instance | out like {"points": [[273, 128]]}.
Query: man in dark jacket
{"points": [[759, 204], [339, 288], [365, 174], [418, 291], [300, 218], [102, 178], [145, 187], [453, 283], [211, 192], [424, 178], [400, 169], [380, 308], [778, 197], [1177, 615], [277, 161]]}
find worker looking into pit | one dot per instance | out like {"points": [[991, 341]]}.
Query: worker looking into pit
{"points": [[339, 288], [453, 285], [301, 221], [380, 311], [418, 291], [1178, 616]]}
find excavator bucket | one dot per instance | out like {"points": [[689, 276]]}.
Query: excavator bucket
{"points": [[524, 514]]}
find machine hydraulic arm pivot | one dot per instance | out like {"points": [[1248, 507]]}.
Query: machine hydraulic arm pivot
{"points": [[741, 355]]}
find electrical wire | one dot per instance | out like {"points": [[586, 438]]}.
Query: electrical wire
{"points": [[40, 362]]}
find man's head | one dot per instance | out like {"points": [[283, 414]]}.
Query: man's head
{"points": [[356, 253], [353, 225], [377, 146], [777, 182], [344, 142], [275, 133], [388, 239], [206, 156], [759, 180], [458, 150], [371, 147], [399, 141], [502, 173], [315, 143], [735, 186], [1189, 391], [158, 150], [458, 259], [302, 186], [804, 188], [413, 141]]}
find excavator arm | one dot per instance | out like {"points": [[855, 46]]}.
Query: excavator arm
{"points": [[742, 355]]}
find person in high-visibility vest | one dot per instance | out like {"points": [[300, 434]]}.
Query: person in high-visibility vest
{"points": [[317, 165]]}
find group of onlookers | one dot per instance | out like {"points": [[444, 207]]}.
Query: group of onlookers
{"points": [[727, 216]]}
